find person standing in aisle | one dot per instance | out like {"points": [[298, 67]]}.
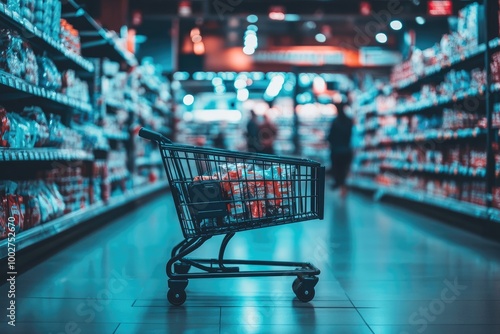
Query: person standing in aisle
{"points": [[339, 139], [267, 135], [253, 133]]}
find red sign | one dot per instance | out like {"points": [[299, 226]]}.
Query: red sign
{"points": [[440, 7]]}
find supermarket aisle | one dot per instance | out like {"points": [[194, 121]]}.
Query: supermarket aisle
{"points": [[384, 270]]}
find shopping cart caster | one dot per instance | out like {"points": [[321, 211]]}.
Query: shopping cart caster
{"points": [[181, 268], [303, 287], [176, 297], [176, 294]]}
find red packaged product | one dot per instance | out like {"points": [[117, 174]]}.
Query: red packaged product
{"points": [[14, 211], [256, 188], [3, 218]]}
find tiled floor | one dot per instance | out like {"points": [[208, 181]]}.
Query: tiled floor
{"points": [[384, 270]]}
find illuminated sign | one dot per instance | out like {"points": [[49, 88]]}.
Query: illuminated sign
{"points": [[300, 57], [440, 7]]}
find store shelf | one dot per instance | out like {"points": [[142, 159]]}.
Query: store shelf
{"points": [[123, 136], [437, 169], [494, 215], [56, 226], [431, 72], [141, 162], [495, 87], [54, 98], [96, 41], [438, 102], [438, 135], [469, 209], [118, 177], [494, 43], [362, 184], [41, 41], [44, 154]]}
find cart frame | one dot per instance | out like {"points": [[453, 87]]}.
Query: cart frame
{"points": [[179, 264]]}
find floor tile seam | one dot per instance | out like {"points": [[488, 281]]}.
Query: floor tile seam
{"points": [[220, 320], [116, 329], [359, 313], [266, 306]]}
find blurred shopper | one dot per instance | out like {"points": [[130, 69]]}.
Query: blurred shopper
{"points": [[339, 138], [220, 138], [267, 135], [253, 133]]}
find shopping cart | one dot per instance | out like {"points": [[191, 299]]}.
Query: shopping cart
{"points": [[223, 192]]}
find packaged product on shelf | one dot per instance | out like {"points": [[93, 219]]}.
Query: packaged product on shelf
{"points": [[37, 115], [56, 131], [496, 197], [11, 53], [14, 204], [31, 65], [4, 228], [14, 5], [49, 76], [4, 128], [28, 9], [21, 134]]}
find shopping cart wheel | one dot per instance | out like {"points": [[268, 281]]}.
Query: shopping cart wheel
{"points": [[303, 287], [176, 297], [176, 294], [181, 268]]}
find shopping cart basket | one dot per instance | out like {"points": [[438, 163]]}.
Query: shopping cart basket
{"points": [[223, 192]]}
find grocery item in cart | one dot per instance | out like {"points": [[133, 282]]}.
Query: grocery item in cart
{"points": [[250, 191]]}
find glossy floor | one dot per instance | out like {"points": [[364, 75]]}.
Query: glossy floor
{"points": [[384, 270]]}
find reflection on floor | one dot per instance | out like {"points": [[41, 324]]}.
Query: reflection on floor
{"points": [[384, 270]]}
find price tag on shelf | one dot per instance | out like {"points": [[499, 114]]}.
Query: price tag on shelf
{"points": [[3, 79], [32, 155], [7, 156], [17, 85], [8, 12], [30, 89], [26, 155], [11, 82], [28, 25], [17, 17]]}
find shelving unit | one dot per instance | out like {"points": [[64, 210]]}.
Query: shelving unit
{"points": [[59, 225], [96, 41], [42, 42], [44, 154], [469, 209], [18, 88], [394, 151], [105, 180], [433, 72]]}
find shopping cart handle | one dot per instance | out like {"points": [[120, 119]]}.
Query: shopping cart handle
{"points": [[154, 136]]}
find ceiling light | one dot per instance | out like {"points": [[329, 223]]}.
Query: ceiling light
{"points": [[248, 50], [188, 99], [292, 17], [277, 16], [252, 27], [242, 95], [320, 38], [381, 37], [420, 20], [194, 32], [196, 39], [252, 18], [396, 25], [217, 81]]}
